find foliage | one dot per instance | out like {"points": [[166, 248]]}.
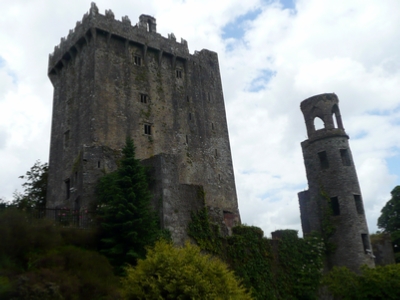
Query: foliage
{"points": [[180, 273], [285, 268], [206, 234], [35, 187], [328, 229], [21, 235], [37, 261], [68, 273], [382, 282], [251, 257], [128, 224], [389, 221]]}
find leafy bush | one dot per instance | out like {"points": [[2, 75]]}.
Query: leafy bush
{"points": [[382, 282], [67, 273], [180, 273], [21, 235]]}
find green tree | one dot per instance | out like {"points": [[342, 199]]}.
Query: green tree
{"points": [[128, 223], [180, 273], [389, 221], [35, 187]]}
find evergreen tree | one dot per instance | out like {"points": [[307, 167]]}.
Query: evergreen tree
{"points": [[128, 223]]}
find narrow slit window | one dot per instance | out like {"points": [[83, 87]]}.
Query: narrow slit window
{"points": [[143, 98], [66, 138], [209, 98], [216, 153], [178, 73], [323, 159], [344, 154], [147, 129], [67, 188], [190, 116], [365, 242], [98, 164], [212, 126], [359, 204], [335, 206], [137, 60], [187, 99]]}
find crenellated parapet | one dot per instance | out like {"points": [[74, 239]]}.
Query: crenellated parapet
{"points": [[144, 33]]}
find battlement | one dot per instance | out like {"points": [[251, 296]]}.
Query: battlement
{"points": [[144, 33]]}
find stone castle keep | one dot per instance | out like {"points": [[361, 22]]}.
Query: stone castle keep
{"points": [[333, 198], [112, 80]]}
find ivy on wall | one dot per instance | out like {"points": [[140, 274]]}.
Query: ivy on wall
{"points": [[284, 268]]}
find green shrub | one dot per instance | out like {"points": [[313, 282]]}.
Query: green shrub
{"points": [[21, 235], [68, 273], [382, 282], [180, 273]]}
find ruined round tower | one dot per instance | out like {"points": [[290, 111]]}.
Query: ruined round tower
{"points": [[333, 206]]}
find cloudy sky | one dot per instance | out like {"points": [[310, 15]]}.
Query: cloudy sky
{"points": [[273, 55]]}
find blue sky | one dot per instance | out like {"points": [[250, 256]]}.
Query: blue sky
{"points": [[272, 56]]}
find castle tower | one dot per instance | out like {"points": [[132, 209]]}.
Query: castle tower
{"points": [[333, 206], [113, 80]]}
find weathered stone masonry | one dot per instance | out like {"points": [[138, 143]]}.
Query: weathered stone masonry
{"points": [[333, 185], [112, 79]]}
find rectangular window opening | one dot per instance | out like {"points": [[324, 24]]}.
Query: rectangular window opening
{"points": [[190, 116], [68, 188], [335, 206], [147, 129], [323, 159], [137, 61], [178, 73], [187, 99], [66, 138], [98, 164], [216, 153], [359, 204], [344, 154], [143, 98], [365, 242], [212, 126]]}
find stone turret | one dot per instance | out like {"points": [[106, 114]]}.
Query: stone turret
{"points": [[333, 202]]}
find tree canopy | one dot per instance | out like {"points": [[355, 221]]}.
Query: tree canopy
{"points": [[389, 221], [35, 187], [128, 223]]}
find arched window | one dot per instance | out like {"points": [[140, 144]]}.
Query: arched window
{"points": [[148, 25], [318, 123], [337, 119]]}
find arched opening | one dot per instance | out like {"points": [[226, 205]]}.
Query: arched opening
{"points": [[148, 25], [337, 119], [318, 123]]}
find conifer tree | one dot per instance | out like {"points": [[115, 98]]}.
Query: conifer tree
{"points": [[128, 223]]}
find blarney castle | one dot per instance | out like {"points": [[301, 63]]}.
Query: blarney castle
{"points": [[113, 79]]}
